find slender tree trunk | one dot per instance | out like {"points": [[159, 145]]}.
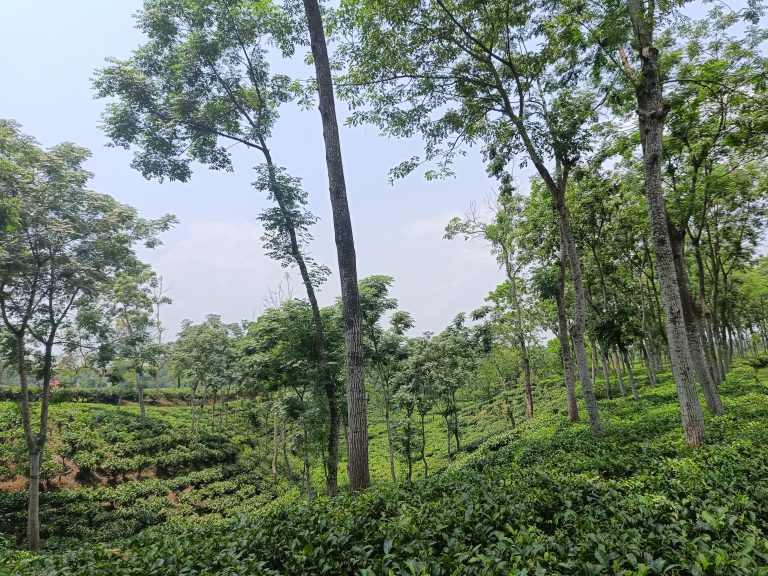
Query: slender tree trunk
{"points": [[275, 440], [606, 376], [359, 473], [594, 364], [695, 346], [326, 376], [651, 112], [33, 500], [424, 447], [568, 254], [390, 445], [631, 374], [140, 393], [650, 363], [284, 445], [307, 469], [520, 333], [617, 370], [565, 345]]}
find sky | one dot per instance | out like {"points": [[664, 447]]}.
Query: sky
{"points": [[213, 260]]}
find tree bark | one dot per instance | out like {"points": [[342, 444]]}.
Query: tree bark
{"points": [[619, 377], [696, 352], [390, 446], [326, 377], [631, 374], [651, 112], [359, 473], [565, 344], [606, 376], [569, 254], [140, 394]]}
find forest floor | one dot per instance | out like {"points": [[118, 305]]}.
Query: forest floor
{"points": [[543, 498]]}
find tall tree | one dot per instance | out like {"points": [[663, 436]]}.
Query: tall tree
{"points": [[359, 472], [189, 94], [62, 251], [459, 73]]}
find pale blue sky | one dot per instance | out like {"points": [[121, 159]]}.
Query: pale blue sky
{"points": [[213, 259]]}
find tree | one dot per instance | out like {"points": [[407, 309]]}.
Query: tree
{"points": [[459, 74], [160, 299], [359, 472], [279, 354], [383, 348], [63, 250], [207, 355], [186, 95], [136, 342]]}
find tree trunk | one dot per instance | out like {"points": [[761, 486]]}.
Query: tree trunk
{"points": [[390, 446], [619, 377], [650, 363], [631, 373], [326, 376], [140, 394], [697, 356], [651, 112], [568, 253], [565, 345], [275, 440], [307, 469], [33, 500], [606, 376], [424, 447], [359, 473]]}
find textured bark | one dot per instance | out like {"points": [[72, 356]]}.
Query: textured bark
{"points": [[650, 364], [565, 344], [569, 254], [696, 352], [651, 114], [359, 473]]}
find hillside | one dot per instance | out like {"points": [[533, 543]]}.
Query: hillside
{"points": [[540, 499]]}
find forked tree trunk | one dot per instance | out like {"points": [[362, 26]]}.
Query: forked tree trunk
{"points": [[359, 473], [651, 112]]}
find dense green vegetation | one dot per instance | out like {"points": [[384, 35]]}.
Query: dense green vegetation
{"points": [[542, 498], [603, 411]]}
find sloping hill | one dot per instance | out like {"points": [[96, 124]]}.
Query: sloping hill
{"points": [[542, 499]]}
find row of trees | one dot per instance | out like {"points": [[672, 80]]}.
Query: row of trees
{"points": [[557, 86]]}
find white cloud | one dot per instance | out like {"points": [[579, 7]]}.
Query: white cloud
{"points": [[215, 268]]}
